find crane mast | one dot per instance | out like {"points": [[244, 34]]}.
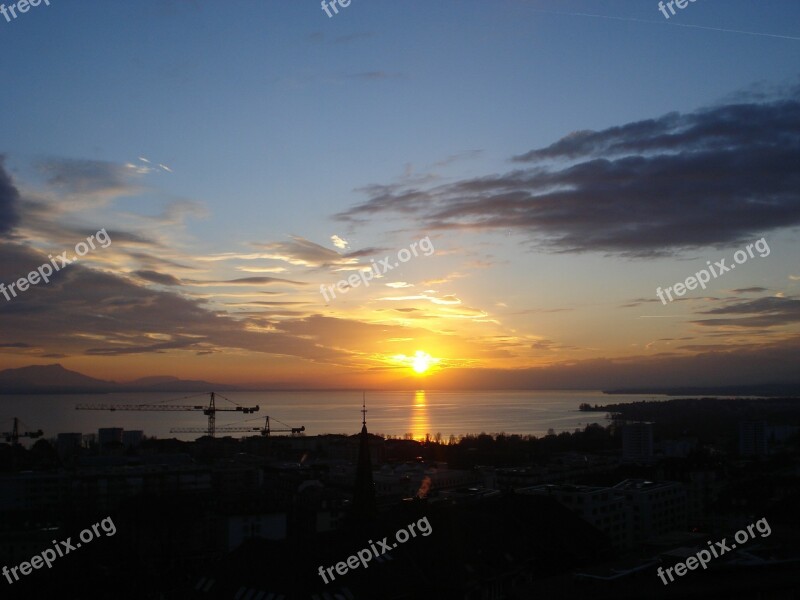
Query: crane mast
{"points": [[265, 431], [14, 435], [210, 411]]}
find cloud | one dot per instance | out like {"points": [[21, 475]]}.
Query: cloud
{"points": [[472, 154], [771, 311], [146, 168], [299, 251], [446, 279], [449, 299], [262, 269], [155, 262], [265, 303], [242, 281], [177, 211], [728, 365], [87, 312], [543, 344], [155, 277], [365, 252], [535, 311], [339, 242], [9, 201], [713, 177], [95, 178]]}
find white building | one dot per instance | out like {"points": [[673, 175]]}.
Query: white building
{"points": [[628, 513], [599, 506], [653, 507]]}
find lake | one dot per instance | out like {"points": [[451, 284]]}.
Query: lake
{"points": [[390, 413]]}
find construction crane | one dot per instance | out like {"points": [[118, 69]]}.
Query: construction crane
{"points": [[14, 435], [210, 411], [265, 431]]}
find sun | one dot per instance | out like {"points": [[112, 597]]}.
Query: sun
{"points": [[421, 361]]}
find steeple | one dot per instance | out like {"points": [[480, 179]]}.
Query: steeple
{"points": [[364, 492], [364, 411]]}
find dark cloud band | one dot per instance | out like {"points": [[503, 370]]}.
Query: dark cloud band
{"points": [[714, 177]]}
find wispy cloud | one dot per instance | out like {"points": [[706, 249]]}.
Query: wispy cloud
{"points": [[92, 180], [771, 311]]}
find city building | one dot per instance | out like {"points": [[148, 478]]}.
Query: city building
{"points": [[752, 438], [109, 437], [599, 506], [132, 439], [629, 513], [238, 528], [653, 507], [637, 443], [68, 444]]}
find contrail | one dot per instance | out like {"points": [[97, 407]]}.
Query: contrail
{"points": [[575, 14]]}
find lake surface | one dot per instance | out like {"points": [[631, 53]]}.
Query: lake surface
{"points": [[389, 413]]}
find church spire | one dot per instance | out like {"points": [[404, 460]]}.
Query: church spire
{"points": [[364, 492], [364, 410]]}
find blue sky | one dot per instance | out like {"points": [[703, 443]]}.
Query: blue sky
{"points": [[273, 118]]}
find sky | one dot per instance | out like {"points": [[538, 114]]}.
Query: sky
{"points": [[533, 172]]}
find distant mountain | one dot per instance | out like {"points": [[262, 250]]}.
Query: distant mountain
{"points": [[55, 379], [50, 379]]}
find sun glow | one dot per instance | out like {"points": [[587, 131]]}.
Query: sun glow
{"points": [[421, 361]]}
